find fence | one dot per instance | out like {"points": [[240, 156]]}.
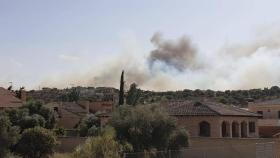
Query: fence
{"points": [[259, 150]]}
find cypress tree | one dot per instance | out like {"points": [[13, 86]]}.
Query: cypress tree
{"points": [[121, 93]]}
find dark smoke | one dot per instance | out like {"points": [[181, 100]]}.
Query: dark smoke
{"points": [[179, 54]]}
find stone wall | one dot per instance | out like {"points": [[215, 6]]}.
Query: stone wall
{"points": [[231, 147]]}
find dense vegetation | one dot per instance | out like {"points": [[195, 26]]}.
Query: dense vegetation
{"points": [[89, 126], [137, 96], [31, 115], [103, 146], [236, 97], [147, 128], [36, 142], [8, 135], [27, 131]]}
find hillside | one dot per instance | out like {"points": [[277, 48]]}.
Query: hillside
{"points": [[236, 97]]}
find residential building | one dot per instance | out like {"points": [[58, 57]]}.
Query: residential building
{"points": [[269, 122], [8, 99], [68, 114], [209, 119]]}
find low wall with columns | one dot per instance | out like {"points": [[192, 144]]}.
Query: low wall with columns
{"points": [[191, 123]]}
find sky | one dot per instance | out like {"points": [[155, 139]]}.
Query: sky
{"points": [[61, 43]]}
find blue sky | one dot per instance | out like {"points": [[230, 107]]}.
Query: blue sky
{"points": [[43, 38]]}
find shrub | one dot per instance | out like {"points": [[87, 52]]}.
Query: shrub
{"points": [[90, 126], [103, 146], [8, 135], [36, 143]]}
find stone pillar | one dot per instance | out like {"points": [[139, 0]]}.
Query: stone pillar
{"points": [[247, 126], [221, 129], [230, 129], [240, 131]]}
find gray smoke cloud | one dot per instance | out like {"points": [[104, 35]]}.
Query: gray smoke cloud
{"points": [[176, 64], [180, 54]]}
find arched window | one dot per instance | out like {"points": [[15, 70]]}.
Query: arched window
{"points": [[235, 129], [244, 129], [204, 129], [225, 129]]}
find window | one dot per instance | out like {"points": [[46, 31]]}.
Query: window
{"points": [[252, 127], [279, 114], [235, 129], [261, 113], [204, 129], [225, 129]]}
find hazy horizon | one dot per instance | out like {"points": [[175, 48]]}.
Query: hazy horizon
{"points": [[161, 45]]}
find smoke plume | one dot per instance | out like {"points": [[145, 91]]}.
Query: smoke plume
{"points": [[179, 54], [177, 64]]}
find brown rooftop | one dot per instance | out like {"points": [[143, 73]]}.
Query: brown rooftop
{"points": [[8, 99], [192, 108], [68, 108], [268, 102]]}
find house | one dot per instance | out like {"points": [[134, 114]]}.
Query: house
{"points": [[8, 99], [209, 119], [106, 98], [68, 114], [269, 122]]}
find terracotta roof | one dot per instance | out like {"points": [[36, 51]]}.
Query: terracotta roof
{"points": [[268, 102], [68, 108], [8, 100], [192, 108], [73, 107]]}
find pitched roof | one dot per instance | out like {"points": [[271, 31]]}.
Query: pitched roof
{"points": [[268, 102], [8, 100], [68, 108], [192, 108], [73, 108]]}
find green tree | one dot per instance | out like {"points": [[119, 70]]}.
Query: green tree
{"points": [[103, 146], [90, 126], [145, 127], [8, 135], [30, 115], [178, 139], [32, 121], [74, 95], [35, 107], [133, 94], [121, 92], [36, 142]]}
